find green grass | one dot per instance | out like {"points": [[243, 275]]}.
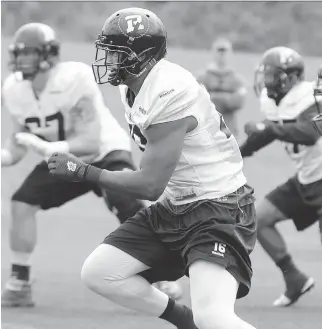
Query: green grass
{"points": [[67, 235]]}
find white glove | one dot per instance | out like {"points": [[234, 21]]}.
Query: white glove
{"points": [[40, 146]]}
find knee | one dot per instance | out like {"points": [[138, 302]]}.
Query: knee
{"points": [[91, 274], [214, 318], [98, 275]]}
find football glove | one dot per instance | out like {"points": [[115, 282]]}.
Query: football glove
{"points": [[71, 168]]}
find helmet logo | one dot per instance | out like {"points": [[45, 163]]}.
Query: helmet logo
{"points": [[134, 23], [286, 56]]}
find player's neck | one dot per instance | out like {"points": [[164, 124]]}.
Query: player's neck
{"points": [[136, 83], [222, 66], [39, 82]]}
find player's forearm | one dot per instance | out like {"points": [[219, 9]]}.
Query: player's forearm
{"points": [[255, 142], [83, 146], [134, 183], [300, 133]]}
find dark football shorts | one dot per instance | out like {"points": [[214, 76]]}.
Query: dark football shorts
{"points": [[42, 189], [169, 239], [301, 203]]}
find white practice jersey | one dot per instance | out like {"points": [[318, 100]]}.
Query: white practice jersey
{"points": [[307, 159], [210, 165], [49, 114]]}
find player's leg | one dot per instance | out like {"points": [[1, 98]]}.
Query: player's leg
{"points": [[125, 207], [213, 295], [124, 266], [218, 260], [281, 204], [320, 222], [38, 191]]}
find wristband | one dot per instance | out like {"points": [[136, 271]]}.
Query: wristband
{"points": [[92, 174]]}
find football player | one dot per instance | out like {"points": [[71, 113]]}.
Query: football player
{"points": [[226, 87], [287, 102], [203, 224], [54, 106], [317, 120]]}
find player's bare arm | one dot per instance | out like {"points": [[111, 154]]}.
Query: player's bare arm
{"points": [[164, 146], [12, 152]]}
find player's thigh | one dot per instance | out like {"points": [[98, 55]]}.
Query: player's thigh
{"points": [[295, 201], [137, 238], [212, 288], [42, 190], [223, 234], [268, 214], [22, 210], [109, 263]]}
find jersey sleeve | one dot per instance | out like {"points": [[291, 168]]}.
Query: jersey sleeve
{"points": [[172, 103]]}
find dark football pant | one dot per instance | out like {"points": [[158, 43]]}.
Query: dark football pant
{"points": [[169, 241], [301, 203], [43, 190]]}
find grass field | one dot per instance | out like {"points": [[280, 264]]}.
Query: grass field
{"points": [[68, 234]]}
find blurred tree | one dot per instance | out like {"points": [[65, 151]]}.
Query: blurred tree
{"points": [[252, 26]]}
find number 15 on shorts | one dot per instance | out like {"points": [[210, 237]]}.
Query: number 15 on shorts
{"points": [[219, 249]]}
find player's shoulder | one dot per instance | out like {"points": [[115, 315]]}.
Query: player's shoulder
{"points": [[171, 78], [300, 97], [69, 73], [11, 81], [74, 70]]}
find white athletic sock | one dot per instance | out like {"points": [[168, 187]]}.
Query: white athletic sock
{"points": [[20, 258]]}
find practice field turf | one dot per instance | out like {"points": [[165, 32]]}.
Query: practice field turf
{"points": [[67, 235]]}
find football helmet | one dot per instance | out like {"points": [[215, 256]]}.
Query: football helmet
{"points": [[38, 39], [130, 41], [276, 72], [317, 120]]}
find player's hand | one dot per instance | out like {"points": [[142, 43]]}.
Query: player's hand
{"points": [[252, 127], [34, 142], [68, 167]]}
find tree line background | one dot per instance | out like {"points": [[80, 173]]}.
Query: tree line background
{"points": [[252, 26]]}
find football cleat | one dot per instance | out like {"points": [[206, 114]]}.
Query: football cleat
{"points": [[17, 293], [294, 292]]}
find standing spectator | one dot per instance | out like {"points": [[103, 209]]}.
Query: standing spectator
{"points": [[226, 87]]}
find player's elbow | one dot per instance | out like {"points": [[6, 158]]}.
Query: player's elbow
{"points": [[154, 193], [154, 189]]}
